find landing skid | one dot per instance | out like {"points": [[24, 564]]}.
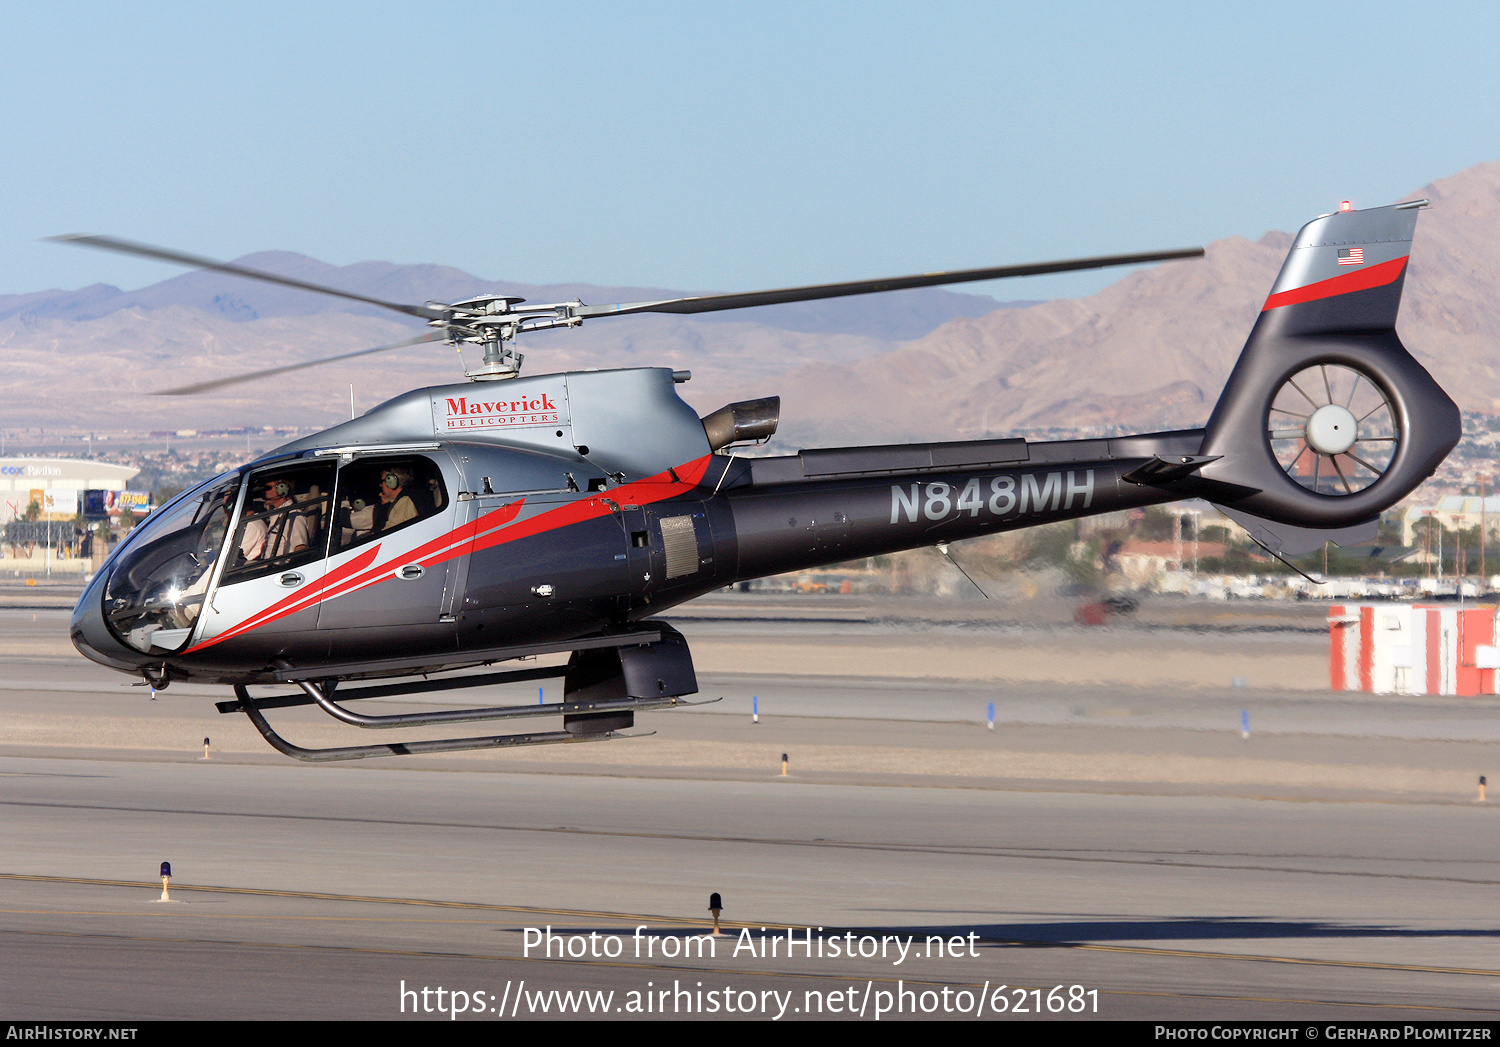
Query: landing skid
{"points": [[604, 689]]}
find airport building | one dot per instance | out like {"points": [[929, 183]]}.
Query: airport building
{"points": [[61, 487], [57, 484]]}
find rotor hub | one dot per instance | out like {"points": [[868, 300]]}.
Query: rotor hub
{"points": [[1331, 429]]}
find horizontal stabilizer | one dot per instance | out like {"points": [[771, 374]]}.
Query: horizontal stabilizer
{"points": [[1165, 470]]}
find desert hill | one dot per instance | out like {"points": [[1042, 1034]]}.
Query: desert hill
{"points": [[1149, 351], [1153, 350]]}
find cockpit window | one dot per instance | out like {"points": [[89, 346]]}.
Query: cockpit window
{"points": [[285, 522], [161, 576], [380, 495]]}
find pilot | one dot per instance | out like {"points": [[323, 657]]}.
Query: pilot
{"points": [[283, 531], [398, 505]]}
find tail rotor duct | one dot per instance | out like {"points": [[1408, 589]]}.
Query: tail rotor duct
{"points": [[1333, 429]]}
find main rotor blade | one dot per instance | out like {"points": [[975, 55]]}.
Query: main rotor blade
{"points": [[713, 303], [219, 383], [162, 254]]}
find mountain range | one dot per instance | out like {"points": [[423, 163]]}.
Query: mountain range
{"points": [[1149, 351]]}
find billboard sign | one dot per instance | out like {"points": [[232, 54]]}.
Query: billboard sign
{"points": [[58, 503], [138, 502]]}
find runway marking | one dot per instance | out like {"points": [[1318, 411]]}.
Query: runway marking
{"points": [[1090, 856], [631, 919]]}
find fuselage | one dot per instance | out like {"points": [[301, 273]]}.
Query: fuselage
{"points": [[457, 523]]}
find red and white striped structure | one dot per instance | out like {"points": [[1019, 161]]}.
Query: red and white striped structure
{"points": [[1397, 648]]}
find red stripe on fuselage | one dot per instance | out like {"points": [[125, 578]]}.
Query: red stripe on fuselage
{"points": [[487, 531], [436, 551], [1359, 280], [642, 492], [294, 602], [358, 574]]}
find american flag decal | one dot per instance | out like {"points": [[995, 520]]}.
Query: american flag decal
{"points": [[1351, 256]]}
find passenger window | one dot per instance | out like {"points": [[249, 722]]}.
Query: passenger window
{"points": [[285, 521], [380, 495]]}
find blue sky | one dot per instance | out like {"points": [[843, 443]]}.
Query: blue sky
{"points": [[718, 146]]}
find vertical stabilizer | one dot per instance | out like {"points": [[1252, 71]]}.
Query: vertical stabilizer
{"points": [[1327, 419]]}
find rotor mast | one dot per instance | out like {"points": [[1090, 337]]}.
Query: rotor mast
{"points": [[493, 321]]}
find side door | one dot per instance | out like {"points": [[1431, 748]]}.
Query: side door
{"points": [[267, 595], [548, 553], [392, 554]]}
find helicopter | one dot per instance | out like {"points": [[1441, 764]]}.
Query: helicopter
{"points": [[456, 528]]}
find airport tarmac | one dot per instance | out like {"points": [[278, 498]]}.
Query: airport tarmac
{"points": [[1114, 847]]}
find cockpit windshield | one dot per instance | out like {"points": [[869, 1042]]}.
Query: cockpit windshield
{"points": [[161, 576]]}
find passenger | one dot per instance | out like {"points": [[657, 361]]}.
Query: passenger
{"points": [[356, 520], [399, 507]]}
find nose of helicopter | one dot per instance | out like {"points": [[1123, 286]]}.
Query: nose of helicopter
{"points": [[91, 635]]}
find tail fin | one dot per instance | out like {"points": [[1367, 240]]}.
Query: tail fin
{"points": [[1326, 419]]}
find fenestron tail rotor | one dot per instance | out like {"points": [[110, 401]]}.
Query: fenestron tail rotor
{"points": [[1333, 430], [493, 321]]}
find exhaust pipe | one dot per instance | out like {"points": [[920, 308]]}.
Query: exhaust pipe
{"points": [[746, 420]]}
